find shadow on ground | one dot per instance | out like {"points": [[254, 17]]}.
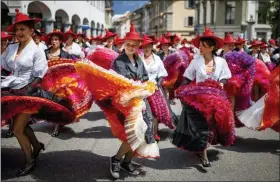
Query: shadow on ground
{"points": [[174, 158], [73, 165], [77, 165], [94, 116], [250, 145]]}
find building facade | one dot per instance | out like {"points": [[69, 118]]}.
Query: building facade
{"points": [[81, 16], [174, 16], [121, 23], [141, 18], [241, 18], [109, 14]]}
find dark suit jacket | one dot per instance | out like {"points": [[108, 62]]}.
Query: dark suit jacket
{"points": [[161, 54], [123, 66]]}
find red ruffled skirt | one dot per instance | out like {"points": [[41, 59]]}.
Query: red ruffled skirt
{"points": [[206, 117]]}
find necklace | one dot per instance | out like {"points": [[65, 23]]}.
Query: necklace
{"points": [[56, 53]]}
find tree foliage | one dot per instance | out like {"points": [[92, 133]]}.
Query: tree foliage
{"points": [[272, 12]]}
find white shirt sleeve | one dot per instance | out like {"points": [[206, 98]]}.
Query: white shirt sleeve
{"points": [[4, 64], [191, 70], [161, 70], [40, 67], [76, 50], [225, 73]]}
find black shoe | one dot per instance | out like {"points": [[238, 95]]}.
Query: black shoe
{"points": [[204, 162], [114, 167], [36, 153], [9, 134], [27, 168], [128, 167]]}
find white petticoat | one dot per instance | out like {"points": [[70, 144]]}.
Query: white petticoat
{"points": [[252, 116]]}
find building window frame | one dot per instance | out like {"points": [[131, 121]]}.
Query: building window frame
{"points": [[262, 15], [230, 7], [212, 5], [188, 21], [189, 4]]}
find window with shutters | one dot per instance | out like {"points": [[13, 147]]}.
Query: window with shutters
{"points": [[188, 21], [189, 4], [230, 12], [186, 4]]}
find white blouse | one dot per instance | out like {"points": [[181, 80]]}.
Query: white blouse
{"points": [[42, 46], [30, 63], [265, 57], [197, 70], [75, 49], [155, 69]]}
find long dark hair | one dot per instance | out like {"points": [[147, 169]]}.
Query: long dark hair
{"points": [[209, 42]]}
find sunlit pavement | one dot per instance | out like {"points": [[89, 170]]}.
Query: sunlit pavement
{"points": [[82, 151]]}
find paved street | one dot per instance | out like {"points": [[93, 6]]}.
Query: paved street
{"points": [[82, 151]]}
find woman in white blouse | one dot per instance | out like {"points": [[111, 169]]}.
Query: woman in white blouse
{"points": [[205, 66], [71, 47], [27, 64], [264, 56], [155, 68]]}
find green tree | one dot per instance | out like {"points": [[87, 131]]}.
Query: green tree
{"points": [[271, 11]]}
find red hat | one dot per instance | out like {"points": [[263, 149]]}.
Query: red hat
{"points": [[197, 37], [229, 39], [176, 38], [80, 34], [272, 41], [163, 40], [69, 32], [6, 36], [98, 38], [168, 34], [264, 45], [108, 34], [240, 40], [208, 34], [132, 34], [20, 18], [152, 37], [156, 41], [146, 40], [118, 40], [44, 38], [184, 41], [56, 32], [255, 44]]}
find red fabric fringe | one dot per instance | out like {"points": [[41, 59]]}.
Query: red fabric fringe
{"points": [[48, 110], [261, 77], [160, 109], [214, 106]]}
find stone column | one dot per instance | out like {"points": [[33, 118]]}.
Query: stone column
{"points": [[250, 22], [79, 29], [66, 27], [97, 31], [93, 32], [88, 34], [49, 25]]}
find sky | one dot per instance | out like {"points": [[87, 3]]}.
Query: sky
{"points": [[121, 7]]}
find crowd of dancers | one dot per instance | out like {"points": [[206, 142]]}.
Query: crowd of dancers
{"points": [[221, 83]]}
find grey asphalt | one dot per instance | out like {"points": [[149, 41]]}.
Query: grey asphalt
{"points": [[82, 151]]}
